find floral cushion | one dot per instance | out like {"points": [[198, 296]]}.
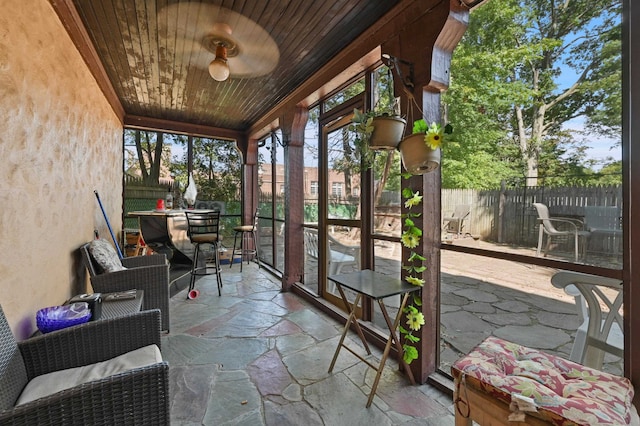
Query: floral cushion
{"points": [[565, 392], [105, 256]]}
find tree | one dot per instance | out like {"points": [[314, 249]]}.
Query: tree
{"points": [[348, 161], [611, 173], [507, 98], [387, 174], [217, 169], [151, 155]]}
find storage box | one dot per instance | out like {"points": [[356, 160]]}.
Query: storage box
{"points": [[95, 303], [225, 257]]}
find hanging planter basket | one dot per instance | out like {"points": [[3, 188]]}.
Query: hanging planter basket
{"points": [[417, 157], [387, 132]]}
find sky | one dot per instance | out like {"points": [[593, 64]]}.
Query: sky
{"points": [[599, 148]]}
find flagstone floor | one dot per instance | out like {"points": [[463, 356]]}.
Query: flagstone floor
{"points": [[257, 356]]}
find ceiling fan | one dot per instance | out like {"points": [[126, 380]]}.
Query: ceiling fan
{"points": [[212, 37]]}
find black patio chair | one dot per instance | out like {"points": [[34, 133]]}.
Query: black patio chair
{"points": [[147, 273], [137, 396]]}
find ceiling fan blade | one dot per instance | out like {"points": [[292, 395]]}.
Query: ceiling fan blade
{"points": [[254, 52]]}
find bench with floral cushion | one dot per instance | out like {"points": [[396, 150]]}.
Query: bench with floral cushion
{"points": [[565, 393]]}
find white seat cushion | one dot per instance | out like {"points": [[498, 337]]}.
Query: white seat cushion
{"points": [[105, 256], [51, 383]]}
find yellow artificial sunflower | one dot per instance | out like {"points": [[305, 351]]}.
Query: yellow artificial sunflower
{"points": [[415, 200], [415, 320], [434, 135], [410, 240]]}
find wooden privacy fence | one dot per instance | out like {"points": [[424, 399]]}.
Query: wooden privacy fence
{"points": [[507, 215], [504, 215]]}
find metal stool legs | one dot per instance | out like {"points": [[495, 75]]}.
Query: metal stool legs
{"points": [[203, 229], [245, 236], [202, 270]]}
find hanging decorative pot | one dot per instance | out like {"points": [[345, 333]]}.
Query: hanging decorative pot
{"points": [[417, 157], [191, 192], [387, 132]]}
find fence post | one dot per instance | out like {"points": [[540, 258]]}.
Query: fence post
{"points": [[501, 202]]}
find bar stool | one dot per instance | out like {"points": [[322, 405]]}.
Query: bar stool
{"points": [[203, 229], [246, 232]]}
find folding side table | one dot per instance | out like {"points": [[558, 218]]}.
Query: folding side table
{"points": [[376, 286]]}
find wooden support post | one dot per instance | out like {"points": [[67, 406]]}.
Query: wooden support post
{"points": [[293, 126], [249, 178], [432, 78]]}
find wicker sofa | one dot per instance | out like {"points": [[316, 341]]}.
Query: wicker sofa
{"points": [[138, 396], [148, 273]]}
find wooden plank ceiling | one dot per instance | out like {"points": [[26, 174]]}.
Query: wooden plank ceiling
{"points": [[153, 53]]}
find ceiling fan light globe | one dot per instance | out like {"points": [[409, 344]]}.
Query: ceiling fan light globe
{"points": [[219, 70]]}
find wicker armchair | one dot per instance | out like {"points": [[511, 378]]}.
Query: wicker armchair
{"points": [[139, 396], [148, 273]]}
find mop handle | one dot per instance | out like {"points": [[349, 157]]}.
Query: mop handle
{"points": [[113, 237]]}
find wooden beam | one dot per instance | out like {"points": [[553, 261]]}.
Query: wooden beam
{"points": [[198, 130], [448, 39], [264, 129]]}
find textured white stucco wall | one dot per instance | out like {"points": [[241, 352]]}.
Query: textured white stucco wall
{"points": [[60, 140]]}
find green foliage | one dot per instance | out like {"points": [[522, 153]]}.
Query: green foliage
{"points": [[506, 98], [611, 174], [415, 321], [362, 156], [233, 207], [311, 213], [392, 181], [420, 126], [335, 210], [414, 266], [410, 353], [264, 209], [347, 211], [362, 127], [344, 95], [217, 169]]}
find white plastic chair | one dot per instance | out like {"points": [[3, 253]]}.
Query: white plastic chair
{"points": [[547, 226], [600, 331], [340, 255], [454, 223], [606, 223]]}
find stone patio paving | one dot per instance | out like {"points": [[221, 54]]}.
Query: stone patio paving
{"points": [[483, 296], [517, 302], [259, 356], [256, 356]]}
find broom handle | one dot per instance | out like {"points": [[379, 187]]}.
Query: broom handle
{"points": [[113, 237]]}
